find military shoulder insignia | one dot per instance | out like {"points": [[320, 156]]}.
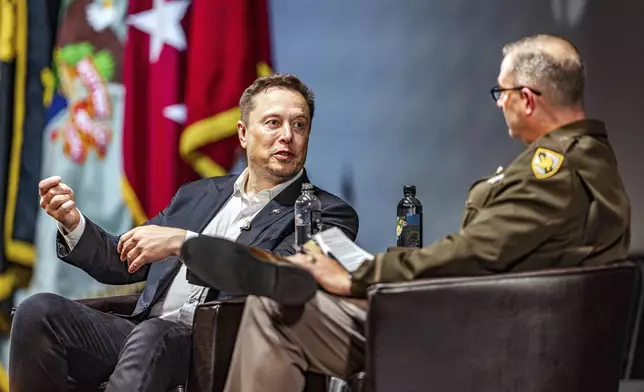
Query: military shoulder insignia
{"points": [[546, 163]]}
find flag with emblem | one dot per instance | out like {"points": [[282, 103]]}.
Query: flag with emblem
{"points": [[186, 67], [82, 137]]}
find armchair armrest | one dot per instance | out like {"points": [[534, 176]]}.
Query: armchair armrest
{"points": [[121, 304], [214, 333], [554, 330]]}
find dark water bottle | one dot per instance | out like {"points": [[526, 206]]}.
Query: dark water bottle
{"points": [[308, 215], [409, 224]]}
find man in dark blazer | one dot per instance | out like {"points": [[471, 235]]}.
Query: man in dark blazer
{"points": [[54, 338]]}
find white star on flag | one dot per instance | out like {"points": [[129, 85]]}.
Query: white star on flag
{"points": [[163, 23], [176, 113]]}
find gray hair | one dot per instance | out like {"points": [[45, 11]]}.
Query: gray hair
{"points": [[551, 65]]}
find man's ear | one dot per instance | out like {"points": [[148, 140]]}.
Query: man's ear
{"points": [[528, 96], [241, 133]]}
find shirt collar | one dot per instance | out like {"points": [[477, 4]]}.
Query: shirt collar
{"points": [[268, 194]]}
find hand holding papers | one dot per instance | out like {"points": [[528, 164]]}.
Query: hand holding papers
{"points": [[335, 244]]}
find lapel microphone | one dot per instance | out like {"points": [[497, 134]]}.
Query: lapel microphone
{"points": [[246, 226]]}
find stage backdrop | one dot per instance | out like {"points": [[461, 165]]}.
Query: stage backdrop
{"points": [[403, 95]]}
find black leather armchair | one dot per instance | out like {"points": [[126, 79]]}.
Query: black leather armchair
{"points": [[555, 330], [634, 356]]}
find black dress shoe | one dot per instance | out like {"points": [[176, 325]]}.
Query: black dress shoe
{"points": [[242, 270]]}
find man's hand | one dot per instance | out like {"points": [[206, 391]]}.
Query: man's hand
{"points": [[57, 199], [145, 244], [328, 272]]}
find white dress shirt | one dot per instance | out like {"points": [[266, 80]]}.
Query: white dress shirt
{"points": [[181, 299]]}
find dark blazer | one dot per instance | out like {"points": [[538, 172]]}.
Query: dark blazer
{"points": [[194, 205]]}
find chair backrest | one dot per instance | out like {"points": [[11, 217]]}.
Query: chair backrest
{"points": [[555, 330], [634, 352]]}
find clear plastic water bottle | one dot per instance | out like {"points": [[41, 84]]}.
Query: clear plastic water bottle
{"points": [[409, 223], [308, 216]]}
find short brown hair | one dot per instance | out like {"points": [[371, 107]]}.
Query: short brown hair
{"points": [[551, 65], [285, 81]]}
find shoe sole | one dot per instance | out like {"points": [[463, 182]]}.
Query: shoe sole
{"points": [[241, 270]]}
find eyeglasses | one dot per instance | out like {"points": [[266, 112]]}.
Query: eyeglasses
{"points": [[497, 90]]}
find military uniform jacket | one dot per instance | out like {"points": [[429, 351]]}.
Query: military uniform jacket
{"points": [[560, 203]]}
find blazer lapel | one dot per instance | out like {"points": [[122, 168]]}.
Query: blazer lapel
{"points": [[205, 210], [276, 209], [211, 202]]}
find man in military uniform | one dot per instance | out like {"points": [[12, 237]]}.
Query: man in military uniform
{"points": [[543, 211]]}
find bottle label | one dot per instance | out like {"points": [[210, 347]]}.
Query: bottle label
{"points": [[408, 230]]}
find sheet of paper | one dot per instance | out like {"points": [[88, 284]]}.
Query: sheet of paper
{"points": [[336, 244]]}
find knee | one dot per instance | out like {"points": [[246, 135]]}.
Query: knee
{"points": [[39, 306], [258, 309], [35, 311], [261, 306]]}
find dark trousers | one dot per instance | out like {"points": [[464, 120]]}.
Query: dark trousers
{"points": [[53, 338]]}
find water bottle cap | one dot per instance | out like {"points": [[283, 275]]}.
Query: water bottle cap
{"points": [[307, 186], [409, 189]]}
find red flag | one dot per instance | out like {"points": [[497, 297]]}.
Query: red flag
{"points": [[186, 65], [154, 55], [228, 49]]}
